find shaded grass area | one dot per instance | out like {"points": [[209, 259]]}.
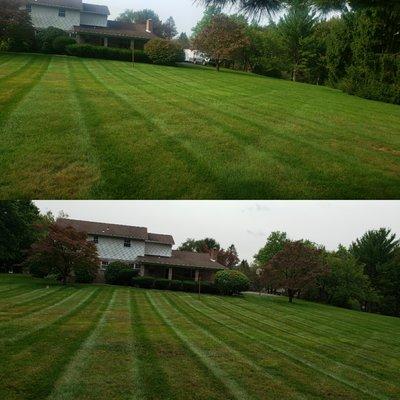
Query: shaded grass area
{"points": [[81, 128], [101, 342]]}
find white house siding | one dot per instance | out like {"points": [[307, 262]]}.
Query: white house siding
{"points": [[156, 249], [113, 249], [93, 19], [44, 17]]}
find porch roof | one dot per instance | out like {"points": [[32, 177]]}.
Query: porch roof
{"points": [[182, 259], [115, 29]]}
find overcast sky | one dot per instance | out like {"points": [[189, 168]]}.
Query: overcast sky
{"points": [[244, 223], [185, 12]]}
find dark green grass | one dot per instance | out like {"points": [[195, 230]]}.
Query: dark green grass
{"points": [[100, 342], [76, 128]]}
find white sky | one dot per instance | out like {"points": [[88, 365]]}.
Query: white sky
{"points": [[244, 223]]}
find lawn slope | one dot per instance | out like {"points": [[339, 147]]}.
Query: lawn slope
{"points": [[99, 342], [77, 128]]}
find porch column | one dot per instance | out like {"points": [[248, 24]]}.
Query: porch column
{"points": [[105, 41], [170, 274], [196, 275], [132, 44], [142, 270]]}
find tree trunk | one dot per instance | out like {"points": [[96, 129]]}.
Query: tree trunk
{"points": [[291, 295], [218, 65]]}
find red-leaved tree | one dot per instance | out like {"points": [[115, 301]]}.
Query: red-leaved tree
{"points": [[223, 39], [295, 268], [64, 251]]}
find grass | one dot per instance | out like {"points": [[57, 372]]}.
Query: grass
{"points": [[101, 342], [77, 128]]}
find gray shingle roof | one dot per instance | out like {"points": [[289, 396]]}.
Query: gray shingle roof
{"points": [[103, 229], [183, 259], [113, 230], [71, 4], [164, 239], [95, 9]]}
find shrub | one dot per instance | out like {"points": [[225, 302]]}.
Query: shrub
{"points": [[176, 286], [105, 53], [143, 282], [61, 42], [85, 274], [209, 288], [5, 45], [119, 273], [161, 284], [46, 37], [231, 282], [190, 286], [164, 52]]}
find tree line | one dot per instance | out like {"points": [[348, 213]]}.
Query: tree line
{"points": [[356, 49], [364, 276]]}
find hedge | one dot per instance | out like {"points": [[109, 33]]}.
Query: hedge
{"points": [[174, 285], [106, 53]]}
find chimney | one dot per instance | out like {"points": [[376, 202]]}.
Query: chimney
{"points": [[214, 254], [149, 26]]}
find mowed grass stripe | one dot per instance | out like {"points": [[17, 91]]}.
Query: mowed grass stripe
{"points": [[154, 123], [29, 297], [34, 323], [315, 338], [230, 383], [37, 308], [234, 123], [255, 113], [339, 371], [17, 87], [69, 157], [228, 138], [44, 356], [337, 355], [177, 365], [160, 132], [273, 385], [110, 343], [299, 377], [385, 331]]}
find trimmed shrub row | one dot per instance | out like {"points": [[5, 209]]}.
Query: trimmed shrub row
{"points": [[106, 53], [174, 285]]}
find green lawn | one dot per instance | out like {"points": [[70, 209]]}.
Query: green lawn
{"points": [[99, 342], [77, 128]]}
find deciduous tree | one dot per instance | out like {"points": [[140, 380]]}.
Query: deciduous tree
{"points": [[17, 230], [16, 30], [223, 39], [295, 268], [63, 252]]}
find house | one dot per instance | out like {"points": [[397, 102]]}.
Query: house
{"points": [[88, 23], [150, 253]]}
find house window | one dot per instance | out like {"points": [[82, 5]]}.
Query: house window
{"points": [[29, 8], [127, 243], [95, 239], [61, 12]]}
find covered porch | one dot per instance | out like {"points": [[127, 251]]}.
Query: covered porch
{"points": [[177, 273], [109, 38]]}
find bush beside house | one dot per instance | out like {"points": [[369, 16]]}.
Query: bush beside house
{"points": [[164, 52], [119, 273], [231, 282]]}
